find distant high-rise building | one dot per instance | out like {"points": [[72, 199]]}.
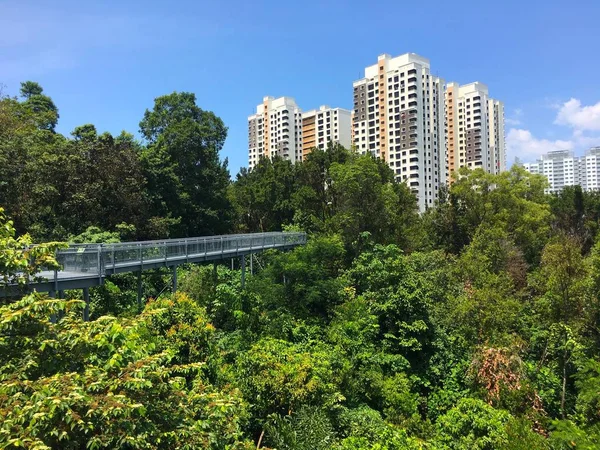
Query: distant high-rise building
{"points": [[561, 168], [275, 130], [496, 134], [475, 129], [324, 125], [589, 169], [399, 117], [279, 128]]}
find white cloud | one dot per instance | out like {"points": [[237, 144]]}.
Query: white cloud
{"points": [[581, 118], [522, 144], [515, 118]]}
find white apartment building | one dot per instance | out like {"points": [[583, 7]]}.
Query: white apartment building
{"points": [[589, 169], [474, 129], [399, 117], [496, 134], [275, 130], [324, 125], [561, 168]]}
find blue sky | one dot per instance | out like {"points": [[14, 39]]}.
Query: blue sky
{"points": [[105, 62]]}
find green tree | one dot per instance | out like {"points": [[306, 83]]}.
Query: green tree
{"points": [[110, 383], [307, 429], [512, 200], [564, 276], [365, 198], [20, 260], [263, 196], [30, 88], [280, 377], [473, 425], [186, 180], [40, 104], [312, 198], [400, 299]]}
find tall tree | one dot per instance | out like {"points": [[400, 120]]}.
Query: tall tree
{"points": [[187, 181], [263, 196], [40, 104]]}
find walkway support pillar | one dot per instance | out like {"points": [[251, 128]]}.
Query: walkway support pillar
{"points": [[86, 299], [243, 266], [53, 317], [251, 265], [139, 290], [174, 279], [61, 296]]}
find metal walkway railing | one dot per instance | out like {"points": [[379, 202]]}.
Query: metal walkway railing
{"points": [[85, 265]]}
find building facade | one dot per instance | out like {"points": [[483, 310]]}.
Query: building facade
{"points": [[275, 130], [562, 168], [279, 128], [474, 129], [589, 169], [423, 129], [497, 137], [399, 117], [324, 125]]}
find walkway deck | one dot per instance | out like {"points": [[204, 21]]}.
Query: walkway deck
{"points": [[86, 265]]}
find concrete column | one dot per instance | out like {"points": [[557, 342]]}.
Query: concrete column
{"points": [[86, 299], [251, 264], [243, 265], [174, 279], [53, 317], [139, 290]]}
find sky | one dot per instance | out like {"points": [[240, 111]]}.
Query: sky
{"points": [[104, 62]]}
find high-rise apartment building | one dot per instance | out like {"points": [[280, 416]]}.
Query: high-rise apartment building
{"points": [[589, 169], [324, 125], [279, 128], [474, 129], [561, 168], [275, 129], [399, 117], [496, 133]]}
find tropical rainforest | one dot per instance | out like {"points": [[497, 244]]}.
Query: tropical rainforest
{"points": [[473, 325]]}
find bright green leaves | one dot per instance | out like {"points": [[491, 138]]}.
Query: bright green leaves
{"points": [[111, 382], [20, 260], [513, 201], [279, 377]]}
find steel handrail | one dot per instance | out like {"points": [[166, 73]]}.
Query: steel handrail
{"points": [[95, 258]]}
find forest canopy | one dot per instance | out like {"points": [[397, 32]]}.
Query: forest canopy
{"points": [[473, 325]]}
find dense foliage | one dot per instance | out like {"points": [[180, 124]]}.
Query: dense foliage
{"points": [[474, 325], [55, 187]]}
